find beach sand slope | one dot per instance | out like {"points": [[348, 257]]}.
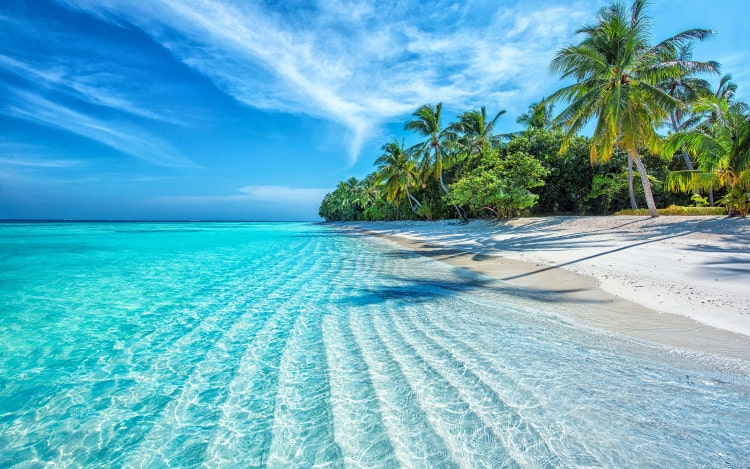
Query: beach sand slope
{"points": [[683, 281]]}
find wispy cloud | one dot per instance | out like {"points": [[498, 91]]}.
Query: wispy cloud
{"points": [[28, 164], [283, 193], [31, 155], [122, 136], [51, 75], [39, 163], [91, 86], [273, 194], [365, 63]]}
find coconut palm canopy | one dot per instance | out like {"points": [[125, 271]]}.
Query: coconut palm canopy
{"points": [[617, 74], [720, 144]]}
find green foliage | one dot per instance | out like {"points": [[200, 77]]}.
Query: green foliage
{"points": [[699, 201], [606, 188], [737, 201], [609, 188], [570, 172], [678, 210], [721, 145], [397, 169], [571, 184], [617, 75], [499, 184], [539, 116]]}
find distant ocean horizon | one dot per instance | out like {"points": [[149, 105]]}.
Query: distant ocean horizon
{"points": [[247, 344]]}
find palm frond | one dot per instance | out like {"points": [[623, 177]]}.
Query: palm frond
{"points": [[690, 181], [659, 102], [673, 44]]}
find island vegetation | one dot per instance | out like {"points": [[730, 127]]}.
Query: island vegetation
{"points": [[651, 106]]}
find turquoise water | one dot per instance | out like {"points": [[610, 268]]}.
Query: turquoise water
{"points": [[280, 345]]}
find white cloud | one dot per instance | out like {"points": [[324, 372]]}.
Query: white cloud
{"points": [[39, 163], [51, 75], [94, 87], [364, 63], [121, 136], [14, 153]]}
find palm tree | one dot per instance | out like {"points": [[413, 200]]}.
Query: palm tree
{"points": [[433, 150], [539, 115], [398, 170], [616, 73], [473, 130], [368, 191], [721, 145], [726, 88], [347, 197], [471, 136], [686, 88]]}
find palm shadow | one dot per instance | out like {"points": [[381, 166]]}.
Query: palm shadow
{"points": [[416, 290]]}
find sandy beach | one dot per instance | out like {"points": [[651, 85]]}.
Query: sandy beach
{"points": [[680, 281]]}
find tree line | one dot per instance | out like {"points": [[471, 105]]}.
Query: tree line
{"points": [[650, 109]]}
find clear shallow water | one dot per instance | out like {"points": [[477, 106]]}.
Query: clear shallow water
{"points": [[242, 345]]}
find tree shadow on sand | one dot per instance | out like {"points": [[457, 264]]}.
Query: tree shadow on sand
{"points": [[415, 290], [549, 236]]}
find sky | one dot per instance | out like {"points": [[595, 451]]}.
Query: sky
{"points": [[254, 110]]}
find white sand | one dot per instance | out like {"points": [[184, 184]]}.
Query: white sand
{"points": [[696, 267]]}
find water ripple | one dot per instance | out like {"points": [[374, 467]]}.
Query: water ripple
{"points": [[292, 345]]}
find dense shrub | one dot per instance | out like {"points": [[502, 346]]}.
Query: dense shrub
{"points": [[678, 210]]}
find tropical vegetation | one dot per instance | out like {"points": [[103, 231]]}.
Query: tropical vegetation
{"points": [[650, 106]]}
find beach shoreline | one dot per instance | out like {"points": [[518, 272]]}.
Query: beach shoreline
{"points": [[678, 281]]}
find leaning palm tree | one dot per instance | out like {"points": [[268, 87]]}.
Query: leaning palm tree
{"points": [[616, 73], [433, 150], [396, 167]]}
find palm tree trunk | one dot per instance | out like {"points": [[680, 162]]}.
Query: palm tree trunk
{"points": [[411, 205], [411, 197], [646, 186], [676, 128], [413, 201], [631, 190], [688, 163], [460, 212], [442, 183]]}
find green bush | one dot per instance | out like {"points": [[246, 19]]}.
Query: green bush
{"points": [[677, 210], [500, 184], [699, 201]]}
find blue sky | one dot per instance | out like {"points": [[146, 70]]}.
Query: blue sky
{"points": [[253, 110]]}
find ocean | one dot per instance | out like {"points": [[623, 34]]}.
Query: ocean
{"points": [[304, 345]]}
